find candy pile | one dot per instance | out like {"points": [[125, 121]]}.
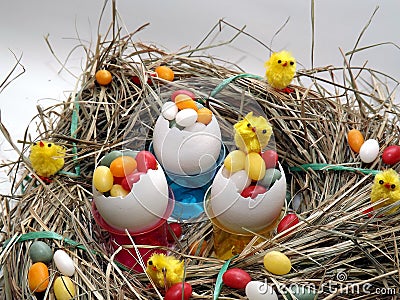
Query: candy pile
{"points": [[252, 173], [185, 113], [38, 274], [120, 170]]}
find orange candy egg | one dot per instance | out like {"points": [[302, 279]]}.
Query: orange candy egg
{"points": [[165, 73], [204, 115], [122, 166], [38, 277], [103, 77], [355, 140], [183, 101]]}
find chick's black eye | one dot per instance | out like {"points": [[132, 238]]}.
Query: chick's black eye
{"points": [[248, 125], [150, 263], [393, 186], [49, 145], [264, 131], [279, 61], [292, 63], [381, 181]]}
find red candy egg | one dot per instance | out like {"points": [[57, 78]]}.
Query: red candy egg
{"points": [[253, 191], [270, 158], [184, 92], [130, 180], [391, 155], [176, 229], [287, 221], [175, 292], [145, 161], [236, 278]]}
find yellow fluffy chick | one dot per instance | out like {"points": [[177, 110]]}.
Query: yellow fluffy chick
{"points": [[386, 186], [281, 68], [46, 158], [252, 133], [165, 270]]}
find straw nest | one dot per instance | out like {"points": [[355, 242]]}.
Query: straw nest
{"points": [[335, 249]]}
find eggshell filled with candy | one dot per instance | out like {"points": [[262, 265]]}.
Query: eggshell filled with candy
{"points": [[236, 278], [234, 211], [142, 207], [369, 151], [185, 152], [391, 155]]}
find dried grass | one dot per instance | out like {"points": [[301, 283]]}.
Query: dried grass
{"points": [[333, 238]]}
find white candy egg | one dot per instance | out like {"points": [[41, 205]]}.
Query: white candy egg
{"points": [[241, 180], [186, 117], [169, 110], [257, 290], [369, 151], [64, 263], [195, 127]]}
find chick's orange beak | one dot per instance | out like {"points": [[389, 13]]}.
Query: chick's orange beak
{"points": [[253, 129], [387, 185], [284, 64], [41, 144]]}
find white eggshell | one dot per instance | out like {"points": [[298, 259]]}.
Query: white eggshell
{"points": [[186, 117], [195, 127], [369, 151], [142, 208], [236, 212], [257, 290], [186, 153], [64, 263], [169, 110], [241, 180]]}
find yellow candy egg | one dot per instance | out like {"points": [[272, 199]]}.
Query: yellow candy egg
{"points": [[235, 161], [254, 166], [64, 288], [103, 179], [118, 191], [277, 263], [183, 101]]}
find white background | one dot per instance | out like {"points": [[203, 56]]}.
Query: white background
{"points": [[177, 24]]}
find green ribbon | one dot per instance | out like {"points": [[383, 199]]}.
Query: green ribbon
{"points": [[227, 81], [73, 129], [219, 282], [330, 167]]}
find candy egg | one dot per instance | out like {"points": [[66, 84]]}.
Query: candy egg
{"points": [[118, 191], [235, 161], [236, 278], [204, 115], [257, 290], [369, 151], [254, 166], [128, 182], [103, 179], [270, 158], [64, 288], [391, 155], [355, 140], [40, 251], [169, 110], [253, 191], [145, 161], [287, 221], [123, 165], [38, 277], [186, 117], [109, 157], [165, 72], [64, 263], [175, 291], [271, 175], [196, 127], [241, 180], [277, 263], [184, 101], [301, 292], [182, 92]]}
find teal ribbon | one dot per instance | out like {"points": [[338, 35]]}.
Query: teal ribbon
{"points": [[73, 129], [219, 282], [227, 81], [330, 167]]}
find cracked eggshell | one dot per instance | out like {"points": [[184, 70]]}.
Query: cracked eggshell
{"points": [[141, 209], [184, 152], [234, 211]]}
